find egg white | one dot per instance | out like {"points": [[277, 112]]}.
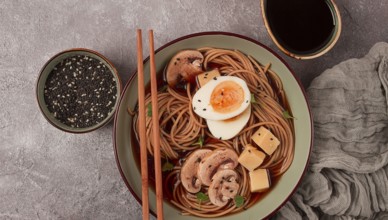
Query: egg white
{"points": [[201, 99], [225, 130]]}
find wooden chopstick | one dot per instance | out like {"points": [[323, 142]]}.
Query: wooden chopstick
{"points": [[142, 127], [155, 130]]}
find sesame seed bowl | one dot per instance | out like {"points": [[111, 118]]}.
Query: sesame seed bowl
{"points": [[77, 90]]}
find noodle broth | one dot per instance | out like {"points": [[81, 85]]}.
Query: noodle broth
{"points": [[269, 112]]}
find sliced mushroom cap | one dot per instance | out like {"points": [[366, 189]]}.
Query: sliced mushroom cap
{"points": [[224, 186], [189, 170], [219, 159], [183, 67]]}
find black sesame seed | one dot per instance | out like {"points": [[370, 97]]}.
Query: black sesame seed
{"points": [[205, 77], [210, 166], [220, 138], [195, 108], [199, 100], [204, 109], [231, 191], [271, 139], [215, 78], [246, 101], [259, 134], [178, 58], [249, 151]]}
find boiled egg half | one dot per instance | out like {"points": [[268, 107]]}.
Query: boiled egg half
{"points": [[224, 102]]}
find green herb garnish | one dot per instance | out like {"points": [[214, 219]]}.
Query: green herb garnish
{"points": [[253, 100], [200, 141], [239, 201], [167, 166], [202, 197], [287, 115], [149, 109]]}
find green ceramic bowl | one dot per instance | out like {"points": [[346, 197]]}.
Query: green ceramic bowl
{"points": [[303, 124], [46, 70]]}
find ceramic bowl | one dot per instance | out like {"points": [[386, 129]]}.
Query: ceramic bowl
{"points": [[328, 46], [45, 72], [280, 192]]}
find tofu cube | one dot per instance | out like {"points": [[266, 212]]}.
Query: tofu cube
{"points": [[251, 157], [205, 77], [266, 140], [260, 180]]}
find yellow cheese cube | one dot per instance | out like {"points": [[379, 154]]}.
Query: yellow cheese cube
{"points": [[259, 180], [265, 140], [205, 77], [251, 157]]}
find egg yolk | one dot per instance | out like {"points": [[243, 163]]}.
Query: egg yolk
{"points": [[227, 97]]}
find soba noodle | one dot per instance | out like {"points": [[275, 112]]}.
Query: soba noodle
{"points": [[181, 128]]}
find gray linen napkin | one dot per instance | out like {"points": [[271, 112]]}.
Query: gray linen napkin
{"points": [[347, 175]]}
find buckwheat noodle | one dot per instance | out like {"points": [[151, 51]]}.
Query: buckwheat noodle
{"points": [[181, 128]]}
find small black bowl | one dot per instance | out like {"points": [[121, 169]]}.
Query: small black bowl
{"points": [[47, 70]]}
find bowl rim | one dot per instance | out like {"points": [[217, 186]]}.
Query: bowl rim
{"points": [[332, 42], [114, 72], [205, 33]]}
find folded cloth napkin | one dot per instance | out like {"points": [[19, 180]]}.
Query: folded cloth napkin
{"points": [[347, 175]]}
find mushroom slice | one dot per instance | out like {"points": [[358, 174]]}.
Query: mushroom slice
{"points": [[189, 169], [224, 186], [184, 67], [219, 159]]}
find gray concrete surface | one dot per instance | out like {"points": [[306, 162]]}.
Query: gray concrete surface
{"points": [[49, 174]]}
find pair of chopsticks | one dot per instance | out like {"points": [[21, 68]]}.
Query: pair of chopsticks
{"points": [[155, 128]]}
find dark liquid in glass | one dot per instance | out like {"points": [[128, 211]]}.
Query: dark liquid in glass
{"points": [[300, 26]]}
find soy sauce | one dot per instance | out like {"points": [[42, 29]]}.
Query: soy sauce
{"points": [[300, 26]]}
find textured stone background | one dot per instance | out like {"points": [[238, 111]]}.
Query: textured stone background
{"points": [[49, 174]]}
